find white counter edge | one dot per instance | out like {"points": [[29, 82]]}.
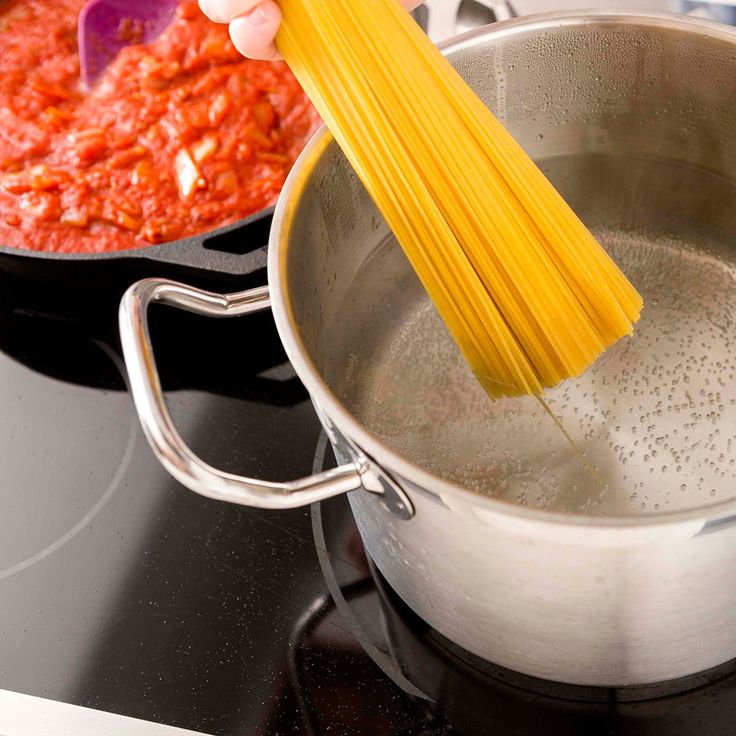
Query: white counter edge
{"points": [[26, 715]]}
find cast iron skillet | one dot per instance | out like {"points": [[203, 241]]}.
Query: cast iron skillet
{"points": [[213, 260], [218, 256]]}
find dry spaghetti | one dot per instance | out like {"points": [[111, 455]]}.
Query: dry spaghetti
{"points": [[526, 291]]}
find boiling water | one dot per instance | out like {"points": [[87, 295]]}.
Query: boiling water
{"points": [[655, 416]]}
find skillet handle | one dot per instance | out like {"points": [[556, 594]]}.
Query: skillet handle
{"points": [[167, 444]]}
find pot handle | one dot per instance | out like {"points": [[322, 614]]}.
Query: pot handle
{"points": [[167, 444]]}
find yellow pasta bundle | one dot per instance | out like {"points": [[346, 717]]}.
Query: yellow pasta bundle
{"points": [[526, 291]]}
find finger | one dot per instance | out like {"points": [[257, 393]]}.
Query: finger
{"points": [[411, 4], [224, 11], [253, 34]]}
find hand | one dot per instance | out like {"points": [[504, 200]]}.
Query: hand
{"points": [[253, 23]]}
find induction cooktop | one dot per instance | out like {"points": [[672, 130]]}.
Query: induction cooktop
{"points": [[123, 593], [130, 605]]}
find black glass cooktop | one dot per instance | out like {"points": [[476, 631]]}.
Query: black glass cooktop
{"points": [[122, 592]]}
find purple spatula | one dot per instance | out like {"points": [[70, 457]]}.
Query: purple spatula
{"points": [[105, 26]]}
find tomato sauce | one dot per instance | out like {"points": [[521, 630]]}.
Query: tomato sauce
{"points": [[177, 137]]}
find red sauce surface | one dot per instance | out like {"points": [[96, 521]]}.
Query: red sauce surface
{"points": [[177, 137]]}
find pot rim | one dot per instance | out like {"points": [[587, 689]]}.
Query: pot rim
{"points": [[280, 236]]}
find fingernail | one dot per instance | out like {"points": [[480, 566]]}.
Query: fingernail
{"points": [[257, 16]]}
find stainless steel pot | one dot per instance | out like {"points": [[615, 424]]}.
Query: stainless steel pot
{"points": [[611, 572]]}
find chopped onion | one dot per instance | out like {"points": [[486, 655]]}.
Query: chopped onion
{"points": [[187, 174], [205, 147], [75, 216]]}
